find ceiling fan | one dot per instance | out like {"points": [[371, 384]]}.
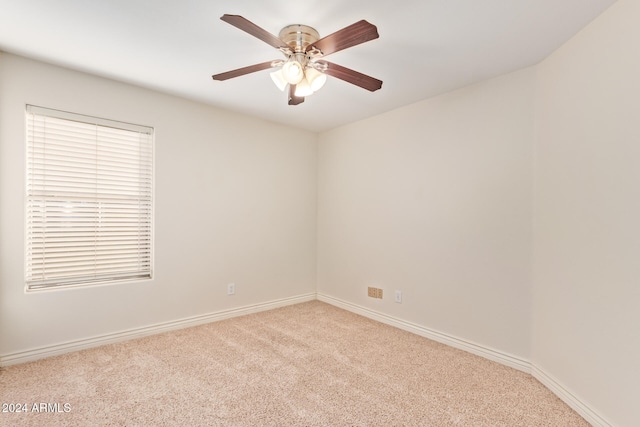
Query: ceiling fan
{"points": [[304, 70]]}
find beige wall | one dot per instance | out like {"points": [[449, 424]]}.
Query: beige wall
{"points": [[586, 323], [235, 201], [434, 199]]}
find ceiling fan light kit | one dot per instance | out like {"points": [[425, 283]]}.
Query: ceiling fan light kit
{"points": [[303, 88], [279, 80], [316, 78], [293, 71], [303, 70]]}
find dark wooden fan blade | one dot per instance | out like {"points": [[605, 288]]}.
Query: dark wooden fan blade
{"points": [[293, 99], [353, 77], [242, 71], [352, 35], [251, 28]]}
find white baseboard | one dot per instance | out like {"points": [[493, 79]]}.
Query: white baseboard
{"points": [[477, 349], [53, 350], [569, 398]]}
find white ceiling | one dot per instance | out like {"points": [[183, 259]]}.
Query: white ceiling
{"points": [[426, 47]]}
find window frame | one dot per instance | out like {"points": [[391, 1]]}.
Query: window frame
{"points": [[143, 215]]}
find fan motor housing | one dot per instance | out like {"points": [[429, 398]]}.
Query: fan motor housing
{"points": [[298, 36]]}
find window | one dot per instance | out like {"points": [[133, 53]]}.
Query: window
{"points": [[88, 201]]}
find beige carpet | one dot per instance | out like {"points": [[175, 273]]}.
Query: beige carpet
{"points": [[310, 364]]}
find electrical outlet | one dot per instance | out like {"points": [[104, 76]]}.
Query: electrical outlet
{"points": [[379, 293], [398, 296], [231, 289]]}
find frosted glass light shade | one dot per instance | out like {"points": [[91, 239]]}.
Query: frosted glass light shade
{"points": [[303, 88], [278, 79], [316, 78], [292, 71]]}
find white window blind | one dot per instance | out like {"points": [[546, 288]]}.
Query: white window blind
{"points": [[89, 200]]}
